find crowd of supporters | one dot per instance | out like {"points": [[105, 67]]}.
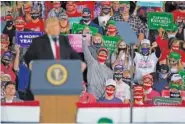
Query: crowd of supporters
{"points": [[156, 68]]}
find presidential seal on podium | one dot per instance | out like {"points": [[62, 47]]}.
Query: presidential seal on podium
{"points": [[57, 74]]}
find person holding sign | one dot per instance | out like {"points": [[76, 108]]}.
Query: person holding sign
{"points": [[97, 72], [51, 46]]}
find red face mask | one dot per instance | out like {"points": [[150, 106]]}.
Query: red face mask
{"points": [[175, 48], [138, 93], [111, 30], [27, 9], [147, 85], [56, 5], [102, 58], [19, 27], [110, 91], [8, 17]]}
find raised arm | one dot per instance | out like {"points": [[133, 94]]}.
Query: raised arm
{"points": [[87, 54]]}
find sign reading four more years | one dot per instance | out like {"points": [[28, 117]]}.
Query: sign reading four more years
{"points": [[158, 20], [24, 39]]}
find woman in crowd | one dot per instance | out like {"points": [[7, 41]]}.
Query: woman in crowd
{"points": [[111, 28], [121, 56], [64, 24]]}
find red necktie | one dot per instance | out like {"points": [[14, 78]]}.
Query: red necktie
{"points": [[57, 49]]}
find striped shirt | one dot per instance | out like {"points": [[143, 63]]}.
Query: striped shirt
{"points": [[97, 73]]}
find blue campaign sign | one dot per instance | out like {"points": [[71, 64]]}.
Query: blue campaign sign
{"points": [[150, 4], [24, 39], [126, 33]]}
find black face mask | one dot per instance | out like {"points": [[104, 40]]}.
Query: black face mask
{"points": [[181, 7], [34, 16], [124, 49], [86, 18], [97, 45], [5, 62], [118, 76], [9, 23], [106, 10], [127, 80]]}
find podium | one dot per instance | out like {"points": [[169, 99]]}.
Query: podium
{"points": [[57, 86]]}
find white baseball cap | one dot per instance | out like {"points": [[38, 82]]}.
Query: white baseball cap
{"points": [[176, 77], [110, 82], [145, 41]]}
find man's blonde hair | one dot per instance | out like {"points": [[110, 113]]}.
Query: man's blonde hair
{"points": [[51, 21]]}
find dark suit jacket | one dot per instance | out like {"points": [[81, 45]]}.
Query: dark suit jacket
{"points": [[40, 49]]}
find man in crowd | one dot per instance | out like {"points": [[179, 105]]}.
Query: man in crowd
{"points": [[51, 46], [147, 85], [134, 21], [10, 92], [36, 24], [71, 9], [57, 10], [110, 90], [138, 95], [87, 19]]}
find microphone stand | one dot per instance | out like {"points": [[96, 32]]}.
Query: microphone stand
{"points": [[131, 83]]}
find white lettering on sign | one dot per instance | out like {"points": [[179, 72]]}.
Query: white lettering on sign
{"points": [[31, 36]]}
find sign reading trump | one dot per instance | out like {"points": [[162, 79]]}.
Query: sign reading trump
{"points": [[24, 39]]}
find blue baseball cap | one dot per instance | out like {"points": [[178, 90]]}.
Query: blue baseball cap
{"points": [[8, 54], [86, 10]]}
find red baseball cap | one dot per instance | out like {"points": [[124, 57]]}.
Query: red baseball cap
{"points": [[148, 76], [106, 3]]}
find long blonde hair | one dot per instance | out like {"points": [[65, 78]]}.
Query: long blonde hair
{"points": [[126, 53]]}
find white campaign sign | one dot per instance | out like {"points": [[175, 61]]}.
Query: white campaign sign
{"points": [[140, 114]]}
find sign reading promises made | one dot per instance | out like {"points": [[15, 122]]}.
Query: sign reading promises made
{"points": [[160, 20]]}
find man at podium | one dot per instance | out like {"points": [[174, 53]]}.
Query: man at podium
{"points": [[51, 46]]}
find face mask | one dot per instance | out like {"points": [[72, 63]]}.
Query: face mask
{"points": [[9, 23], [138, 97], [34, 16], [86, 18], [102, 58], [19, 27], [173, 70], [106, 10], [122, 49], [175, 95], [147, 85], [111, 31], [175, 86], [118, 76], [181, 6], [97, 45], [163, 76], [5, 61], [27, 10], [171, 35], [127, 80], [108, 93], [175, 48], [145, 51]]}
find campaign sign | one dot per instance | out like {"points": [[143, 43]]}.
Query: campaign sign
{"points": [[110, 43], [24, 39], [150, 4], [74, 20], [75, 41], [158, 20], [167, 101]]}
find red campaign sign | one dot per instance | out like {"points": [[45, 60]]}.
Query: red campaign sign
{"points": [[86, 4], [165, 93]]}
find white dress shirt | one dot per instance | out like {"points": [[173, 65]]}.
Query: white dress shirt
{"points": [[52, 43]]}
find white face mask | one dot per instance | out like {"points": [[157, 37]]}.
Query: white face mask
{"points": [[171, 35], [173, 70]]}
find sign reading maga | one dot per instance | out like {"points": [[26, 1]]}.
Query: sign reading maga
{"points": [[160, 20]]}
